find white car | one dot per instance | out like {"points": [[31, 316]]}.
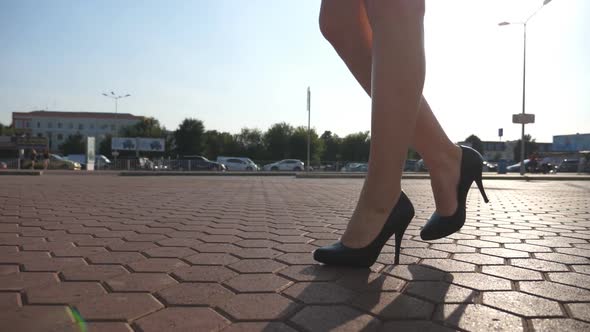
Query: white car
{"points": [[286, 165], [238, 164]]}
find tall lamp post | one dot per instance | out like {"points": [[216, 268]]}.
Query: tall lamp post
{"points": [[116, 98], [522, 119]]}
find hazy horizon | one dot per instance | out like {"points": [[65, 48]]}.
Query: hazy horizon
{"points": [[235, 66]]}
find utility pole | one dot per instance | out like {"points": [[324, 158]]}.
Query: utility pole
{"points": [[308, 127]]}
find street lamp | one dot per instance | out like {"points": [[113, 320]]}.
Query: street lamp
{"points": [[116, 98], [522, 119]]}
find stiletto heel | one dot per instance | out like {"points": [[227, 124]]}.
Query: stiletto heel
{"points": [[481, 190], [397, 223], [471, 170], [398, 246]]}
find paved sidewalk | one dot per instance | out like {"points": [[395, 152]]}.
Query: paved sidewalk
{"points": [[108, 253]]}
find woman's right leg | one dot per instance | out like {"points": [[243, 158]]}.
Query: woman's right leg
{"points": [[345, 25]]}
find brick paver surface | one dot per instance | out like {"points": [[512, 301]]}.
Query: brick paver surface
{"points": [[108, 253]]}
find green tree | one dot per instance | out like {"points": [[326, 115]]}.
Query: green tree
{"points": [[277, 140], [74, 144], [220, 144], [251, 144], [356, 147], [189, 137], [105, 146], [530, 147], [6, 130], [476, 143], [298, 145], [332, 146], [147, 127]]}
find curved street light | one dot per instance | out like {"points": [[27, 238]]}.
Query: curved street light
{"points": [[116, 98], [524, 24]]}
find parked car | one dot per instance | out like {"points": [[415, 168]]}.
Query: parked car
{"points": [[410, 165], [285, 165], [199, 163], [489, 167], [355, 167], [238, 163], [568, 165], [100, 161], [516, 167], [55, 162]]}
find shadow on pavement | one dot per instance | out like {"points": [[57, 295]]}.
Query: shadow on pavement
{"points": [[337, 298]]}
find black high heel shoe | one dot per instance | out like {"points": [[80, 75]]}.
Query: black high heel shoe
{"points": [[440, 226], [397, 222]]}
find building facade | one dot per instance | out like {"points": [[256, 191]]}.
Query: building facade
{"points": [[57, 126], [571, 143]]}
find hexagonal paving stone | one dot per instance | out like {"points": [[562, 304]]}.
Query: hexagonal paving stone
{"points": [[416, 325], [107, 327], [212, 259], [183, 319], [63, 292], [157, 265], [440, 292], [118, 306], [562, 258], [505, 253], [319, 293], [259, 307], [522, 304], [479, 259], [539, 265], [256, 266], [480, 281], [416, 272], [10, 300], [169, 252], [38, 318], [196, 294], [393, 305], [296, 259], [8, 269], [248, 283], [365, 281], [449, 265], [204, 273], [561, 325], [140, 282], [555, 291], [92, 272], [580, 310], [257, 253], [312, 272], [582, 268], [53, 264], [331, 318], [22, 280], [512, 273], [115, 258], [476, 317], [571, 278], [259, 326]]}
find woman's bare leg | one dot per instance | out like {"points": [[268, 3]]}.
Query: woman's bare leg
{"points": [[345, 25]]}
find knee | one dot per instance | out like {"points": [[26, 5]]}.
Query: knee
{"points": [[396, 8], [330, 25]]}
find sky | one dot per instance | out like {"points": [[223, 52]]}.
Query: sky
{"points": [[235, 64]]}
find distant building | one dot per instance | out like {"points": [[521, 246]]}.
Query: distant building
{"points": [[571, 143], [496, 150], [57, 126]]}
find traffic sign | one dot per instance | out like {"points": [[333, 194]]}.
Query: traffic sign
{"points": [[523, 118]]}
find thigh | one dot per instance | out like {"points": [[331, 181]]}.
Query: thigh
{"points": [[345, 16]]}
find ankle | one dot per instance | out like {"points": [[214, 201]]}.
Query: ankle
{"points": [[444, 161]]}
